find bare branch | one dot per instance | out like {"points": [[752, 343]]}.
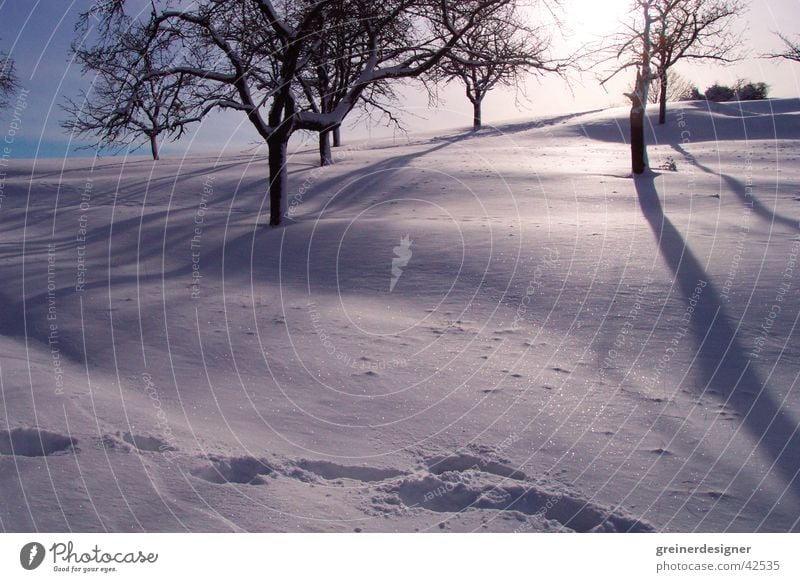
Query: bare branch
{"points": [[791, 50]]}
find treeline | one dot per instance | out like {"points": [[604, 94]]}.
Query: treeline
{"points": [[681, 89], [306, 65]]}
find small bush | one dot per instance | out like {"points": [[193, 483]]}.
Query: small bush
{"points": [[720, 93], [669, 165], [748, 91], [744, 90]]}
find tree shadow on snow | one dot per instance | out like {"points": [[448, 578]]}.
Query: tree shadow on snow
{"points": [[356, 185], [703, 121], [740, 189], [723, 367]]}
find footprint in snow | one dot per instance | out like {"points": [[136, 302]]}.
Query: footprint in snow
{"points": [[31, 442], [244, 470], [466, 482], [147, 443]]}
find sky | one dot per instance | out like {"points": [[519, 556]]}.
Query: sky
{"points": [[38, 34]]}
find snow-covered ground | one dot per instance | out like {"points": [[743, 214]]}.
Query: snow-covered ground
{"points": [[499, 332]]}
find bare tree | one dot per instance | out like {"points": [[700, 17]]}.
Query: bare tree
{"points": [[687, 30], [679, 89], [247, 55], [8, 78], [659, 34], [497, 52], [791, 50], [632, 48], [333, 68], [128, 102]]}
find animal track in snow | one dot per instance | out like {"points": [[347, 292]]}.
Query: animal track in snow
{"points": [[31, 442]]}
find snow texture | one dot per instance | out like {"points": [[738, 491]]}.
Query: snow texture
{"points": [[492, 331]]}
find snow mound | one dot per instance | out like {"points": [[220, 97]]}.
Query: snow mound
{"points": [[331, 471], [247, 470], [463, 462], [31, 442]]}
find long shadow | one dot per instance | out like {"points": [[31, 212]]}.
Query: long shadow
{"points": [[370, 178], [708, 123], [723, 364], [521, 126], [126, 163], [133, 191], [740, 189]]}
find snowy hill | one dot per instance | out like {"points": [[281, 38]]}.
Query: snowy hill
{"points": [[498, 331]]}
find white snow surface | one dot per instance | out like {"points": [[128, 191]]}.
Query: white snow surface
{"points": [[563, 348]]}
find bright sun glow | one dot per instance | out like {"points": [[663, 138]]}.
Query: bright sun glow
{"points": [[589, 18]]}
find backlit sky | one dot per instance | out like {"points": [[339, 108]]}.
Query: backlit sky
{"points": [[38, 34]]}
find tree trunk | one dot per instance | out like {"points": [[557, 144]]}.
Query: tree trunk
{"points": [[278, 177], [325, 155], [476, 115], [637, 118], [641, 93], [662, 101], [337, 136], [154, 146], [638, 153]]}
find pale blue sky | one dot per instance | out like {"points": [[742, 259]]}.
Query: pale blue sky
{"points": [[38, 35]]}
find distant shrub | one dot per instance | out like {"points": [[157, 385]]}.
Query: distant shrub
{"points": [[720, 93], [743, 90], [696, 95], [748, 91]]}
